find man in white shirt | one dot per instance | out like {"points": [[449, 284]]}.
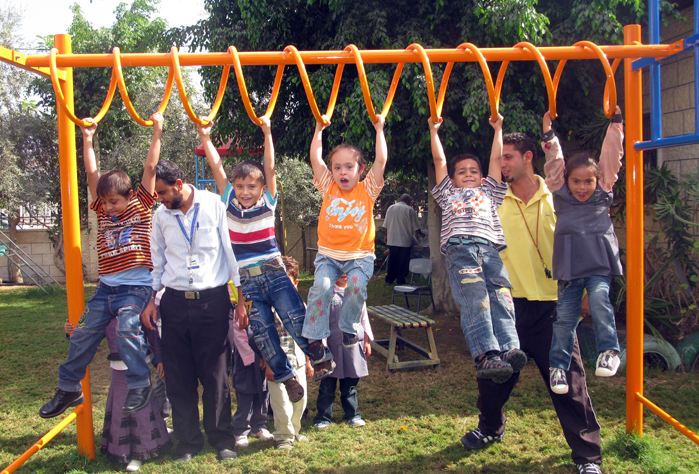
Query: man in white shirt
{"points": [[400, 224], [193, 260]]}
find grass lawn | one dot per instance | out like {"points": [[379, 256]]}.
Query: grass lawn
{"points": [[414, 417]]}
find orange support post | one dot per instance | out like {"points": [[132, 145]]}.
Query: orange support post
{"points": [[71, 236], [634, 238]]}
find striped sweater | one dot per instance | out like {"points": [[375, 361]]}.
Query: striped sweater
{"points": [[471, 211]]}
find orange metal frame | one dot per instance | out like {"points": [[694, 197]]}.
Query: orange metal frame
{"points": [[59, 63]]}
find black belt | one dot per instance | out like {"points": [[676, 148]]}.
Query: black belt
{"points": [[198, 295], [468, 239], [270, 265]]}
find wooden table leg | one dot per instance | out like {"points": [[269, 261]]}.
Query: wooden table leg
{"points": [[391, 348], [433, 346]]}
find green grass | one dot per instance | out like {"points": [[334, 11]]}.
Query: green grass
{"points": [[414, 417]]}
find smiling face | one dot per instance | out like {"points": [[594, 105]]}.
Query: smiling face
{"points": [[467, 174], [345, 169], [582, 182], [248, 190], [114, 204], [169, 195]]}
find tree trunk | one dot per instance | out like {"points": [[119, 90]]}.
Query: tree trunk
{"points": [[441, 288], [15, 272], [305, 252]]}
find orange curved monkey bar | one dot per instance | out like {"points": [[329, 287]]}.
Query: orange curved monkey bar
{"points": [[60, 98], [550, 90], [435, 112], [183, 94], [244, 90]]}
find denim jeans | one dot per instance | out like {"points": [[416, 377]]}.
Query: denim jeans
{"points": [[570, 295], [328, 270], [126, 303], [481, 288], [326, 399], [273, 289]]}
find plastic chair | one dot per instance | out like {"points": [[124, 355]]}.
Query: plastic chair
{"points": [[421, 267]]}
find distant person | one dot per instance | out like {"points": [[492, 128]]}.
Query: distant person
{"points": [[124, 257], [401, 226]]}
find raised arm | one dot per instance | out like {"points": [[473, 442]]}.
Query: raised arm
{"points": [[381, 151], [612, 152], [148, 179], [496, 150], [270, 174], [554, 168], [440, 161], [212, 157], [319, 167], [93, 175]]}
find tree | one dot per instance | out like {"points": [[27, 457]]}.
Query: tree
{"points": [[333, 24]]}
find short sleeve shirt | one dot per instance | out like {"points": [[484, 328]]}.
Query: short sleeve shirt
{"points": [[123, 241], [346, 223], [401, 222]]}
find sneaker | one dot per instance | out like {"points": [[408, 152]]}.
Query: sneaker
{"points": [[323, 369], [264, 435], [301, 439], [316, 351], [516, 358], [285, 444], [588, 468], [134, 465], [357, 422], [226, 454], [475, 440], [607, 364], [242, 441], [559, 383], [61, 402], [322, 424], [491, 366], [293, 389], [349, 340]]}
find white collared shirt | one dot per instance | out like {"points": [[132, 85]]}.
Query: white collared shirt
{"points": [[211, 245]]}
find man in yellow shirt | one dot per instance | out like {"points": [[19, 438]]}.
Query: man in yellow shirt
{"points": [[528, 222]]}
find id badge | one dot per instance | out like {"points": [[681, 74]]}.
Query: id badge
{"points": [[192, 263]]}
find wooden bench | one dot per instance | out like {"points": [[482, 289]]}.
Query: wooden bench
{"points": [[400, 318]]}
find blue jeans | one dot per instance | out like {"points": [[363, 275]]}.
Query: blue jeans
{"points": [[328, 270], [481, 288], [570, 295], [273, 289], [326, 399], [126, 303]]}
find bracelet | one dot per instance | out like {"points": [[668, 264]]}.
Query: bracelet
{"points": [[548, 135], [616, 118]]}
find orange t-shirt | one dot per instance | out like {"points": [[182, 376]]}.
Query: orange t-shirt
{"points": [[346, 223]]}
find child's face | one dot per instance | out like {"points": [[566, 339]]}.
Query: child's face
{"points": [[248, 190], [467, 174], [342, 281], [114, 204], [345, 169], [582, 182]]}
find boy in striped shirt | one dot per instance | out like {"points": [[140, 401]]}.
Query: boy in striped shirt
{"points": [[250, 201], [471, 238], [124, 263]]}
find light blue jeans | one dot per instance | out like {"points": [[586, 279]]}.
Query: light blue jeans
{"points": [[481, 287], [328, 270], [570, 295]]}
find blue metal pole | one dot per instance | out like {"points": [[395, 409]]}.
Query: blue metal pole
{"points": [[656, 111]]}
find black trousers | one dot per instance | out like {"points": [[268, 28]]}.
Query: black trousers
{"points": [[196, 349], [398, 263], [326, 399], [534, 321]]}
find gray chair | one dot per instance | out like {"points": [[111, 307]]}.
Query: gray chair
{"points": [[421, 267]]}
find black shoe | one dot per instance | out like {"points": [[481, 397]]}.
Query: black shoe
{"points": [[490, 366], [137, 399], [475, 440], [186, 457], [516, 358], [316, 351], [588, 468], [60, 402], [293, 389], [349, 340], [227, 454]]}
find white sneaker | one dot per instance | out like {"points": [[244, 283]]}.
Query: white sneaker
{"points": [[558, 381], [301, 438], [607, 364], [264, 435], [241, 441], [357, 422], [134, 465]]}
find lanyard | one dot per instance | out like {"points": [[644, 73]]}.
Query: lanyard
{"points": [[547, 272], [193, 229]]}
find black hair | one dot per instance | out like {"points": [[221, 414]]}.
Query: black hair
{"points": [[521, 142], [356, 152], [250, 168], [168, 172], [451, 166], [114, 182], [581, 160]]}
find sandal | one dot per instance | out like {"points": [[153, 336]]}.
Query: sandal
{"points": [[491, 366], [323, 369], [293, 389]]}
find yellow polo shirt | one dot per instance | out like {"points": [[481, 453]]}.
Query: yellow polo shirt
{"points": [[520, 257]]}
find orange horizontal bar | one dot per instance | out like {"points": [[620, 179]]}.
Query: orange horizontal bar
{"points": [[42, 442], [18, 59], [662, 414], [342, 57]]}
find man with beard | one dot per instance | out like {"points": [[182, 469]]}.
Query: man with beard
{"points": [[528, 221], [193, 260]]}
